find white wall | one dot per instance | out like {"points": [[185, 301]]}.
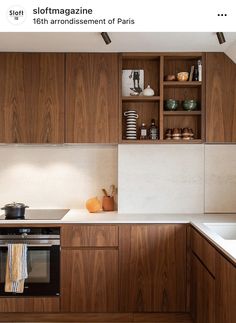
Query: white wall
{"points": [[55, 176], [152, 178], [161, 178], [220, 178]]}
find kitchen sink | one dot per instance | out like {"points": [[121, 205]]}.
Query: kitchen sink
{"points": [[227, 231]]}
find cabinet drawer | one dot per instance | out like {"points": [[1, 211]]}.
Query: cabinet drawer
{"points": [[29, 304], [89, 236], [204, 250]]}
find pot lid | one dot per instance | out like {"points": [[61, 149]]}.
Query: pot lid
{"points": [[15, 205]]}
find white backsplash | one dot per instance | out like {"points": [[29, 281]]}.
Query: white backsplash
{"points": [[152, 178], [161, 178], [55, 176], [220, 178]]}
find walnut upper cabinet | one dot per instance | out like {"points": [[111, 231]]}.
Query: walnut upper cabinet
{"points": [[92, 91], [220, 98], [32, 98]]}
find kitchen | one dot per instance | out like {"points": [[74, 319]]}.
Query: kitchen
{"points": [[166, 250]]}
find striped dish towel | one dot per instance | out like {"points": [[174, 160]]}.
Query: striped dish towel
{"points": [[16, 268]]}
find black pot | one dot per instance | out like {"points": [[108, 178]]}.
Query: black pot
{"points": [[14, 211]]}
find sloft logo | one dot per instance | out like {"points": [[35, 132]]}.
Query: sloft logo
{"points": [[16, 15]]}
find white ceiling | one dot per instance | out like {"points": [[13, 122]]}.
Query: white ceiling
{"points": [[121, 42]]}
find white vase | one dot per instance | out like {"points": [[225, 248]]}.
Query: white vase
{"points": [[148, 91]]}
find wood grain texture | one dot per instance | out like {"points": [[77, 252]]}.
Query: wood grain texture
{"points": [[29, 304], [152, 268], [89, 280], [97, 317], [32, 98], [225, 290], [204, 250], [89, 236], [220, 98], [202, 293], [163, 317], [92, 102]]}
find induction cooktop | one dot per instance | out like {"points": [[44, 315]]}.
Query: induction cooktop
{"points": [[41, 214]]}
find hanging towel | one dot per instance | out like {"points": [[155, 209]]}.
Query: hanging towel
{"points": [[16, 268]]}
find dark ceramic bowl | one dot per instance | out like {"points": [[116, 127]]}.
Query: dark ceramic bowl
{"points": [[189, 105], [171, 105]]}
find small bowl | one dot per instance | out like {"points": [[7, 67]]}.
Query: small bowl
{"points": [[189, 105], [170, 78], [182, 76], [171, 105]]}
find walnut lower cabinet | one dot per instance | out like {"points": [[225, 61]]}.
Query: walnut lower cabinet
{"points": [[142, 271], [89, 268], [213, 283], [90, 280], [202, 293], [152, 268]]}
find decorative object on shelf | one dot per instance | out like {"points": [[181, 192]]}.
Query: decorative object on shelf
{"points": [[170, 78], [171, 105], [153, 131], [191, 74], [148, 91], [195, 74], [131, 124], [143, 132], [187, 134], [132, 82], [178, 134], [182, 76], [108, 203], [199, 65], [168, 134], [189, 105], [93, 205]]}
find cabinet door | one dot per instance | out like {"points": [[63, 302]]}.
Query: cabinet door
{"points": [[89, 281], [220, 98], [202, 293], [152, 268], [92, 89], [225, 291], [32, 98]]}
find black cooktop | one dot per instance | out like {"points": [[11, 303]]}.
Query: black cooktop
{"points": [[41, 214]]}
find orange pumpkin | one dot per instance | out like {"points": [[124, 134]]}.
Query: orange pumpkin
{"points": [[93, 205]]}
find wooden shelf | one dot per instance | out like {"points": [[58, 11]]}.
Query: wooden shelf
{"points": [[164, 141], [181, 84], [156, 66], [140, 98], [182, 113]]}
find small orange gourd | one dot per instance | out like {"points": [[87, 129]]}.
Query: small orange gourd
{"points": [[93, 205]]}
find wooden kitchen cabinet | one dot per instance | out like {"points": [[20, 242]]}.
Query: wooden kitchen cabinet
{"points": [[152, 262], [92, 98], [202, 293], [29, 304], [220, 98], [89, 280], [225, 290], [32, 98]]}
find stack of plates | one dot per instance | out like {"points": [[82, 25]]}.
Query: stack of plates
{"points": [[131, 124]]}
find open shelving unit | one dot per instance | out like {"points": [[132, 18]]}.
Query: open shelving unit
{"points": [[156, 66]]}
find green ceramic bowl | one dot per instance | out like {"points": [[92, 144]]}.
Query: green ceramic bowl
{"points": [[189, 105], [171, 105]]}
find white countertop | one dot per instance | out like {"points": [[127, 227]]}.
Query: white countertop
{"points": [[197, 220]]}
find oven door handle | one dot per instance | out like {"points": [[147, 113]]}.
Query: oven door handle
{"points": [[30, 245]]}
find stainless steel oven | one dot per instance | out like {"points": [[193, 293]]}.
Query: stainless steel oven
{"points": [[43, 259]]}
